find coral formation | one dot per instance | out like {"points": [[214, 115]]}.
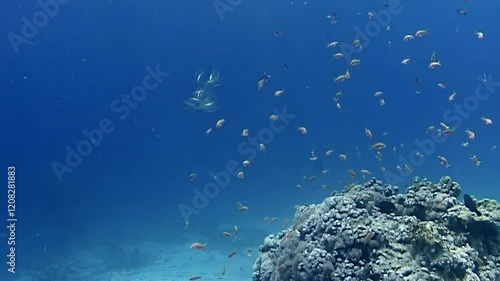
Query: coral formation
{"points": [[373, 232]]}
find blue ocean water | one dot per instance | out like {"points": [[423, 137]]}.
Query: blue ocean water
{"points": [[93, 170]]}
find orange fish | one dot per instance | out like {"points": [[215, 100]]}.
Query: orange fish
{"points": [[443, 161], [198, 246], [470, 134], [220, 123], [242, 207], [448, 132], [368, 133], [352, 173], [487, 121], [262, 81], [378, 146], [279, 92], [236, 231]]}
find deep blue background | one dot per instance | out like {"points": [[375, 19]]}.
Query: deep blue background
{"points": [[91, 52]]}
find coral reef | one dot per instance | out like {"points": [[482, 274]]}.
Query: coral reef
{"points": [[373, 232]]}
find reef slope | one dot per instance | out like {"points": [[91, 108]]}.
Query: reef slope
{"points": [[373, 232]]}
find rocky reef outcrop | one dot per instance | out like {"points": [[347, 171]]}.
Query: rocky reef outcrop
{"points": [[372, 232]]}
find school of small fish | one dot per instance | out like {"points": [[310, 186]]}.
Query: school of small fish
{"points": [[374, 134]]}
